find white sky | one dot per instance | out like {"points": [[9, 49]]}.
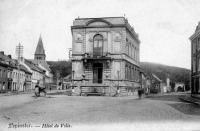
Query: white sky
{"points": [[164, 26]]}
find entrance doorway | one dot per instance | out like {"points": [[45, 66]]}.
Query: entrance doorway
{"points": [[97, 72], [197, 86]]}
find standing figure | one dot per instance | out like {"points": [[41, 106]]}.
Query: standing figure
{"points": [[139, 93], [39, 89]]}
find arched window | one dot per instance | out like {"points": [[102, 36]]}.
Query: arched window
{"points": [[98, 45]]}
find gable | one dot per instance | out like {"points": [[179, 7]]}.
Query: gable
{"points": [[98, 23]]}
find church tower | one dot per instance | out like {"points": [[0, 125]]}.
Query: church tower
{"points": [[39, 52]]}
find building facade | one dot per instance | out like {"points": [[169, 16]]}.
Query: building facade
{"points": [[27, 77], [3, 76], [18, 76], [38, 74], [195, 61], [5, 72], [105, 56]]}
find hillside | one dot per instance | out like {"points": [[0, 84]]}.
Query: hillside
{"points": [[61, 67], [176, 74]]}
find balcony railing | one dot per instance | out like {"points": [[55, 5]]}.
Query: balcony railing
{"points": [[97, 55]]}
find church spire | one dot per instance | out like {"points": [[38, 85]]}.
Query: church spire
{"points": [[39, 52]]}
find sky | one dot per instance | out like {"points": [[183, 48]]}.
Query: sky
{"points": [[164, 26]]}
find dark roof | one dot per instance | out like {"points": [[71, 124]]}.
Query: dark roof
{"points": [[43, 63], [40, 48], [156, 78], [4, 59], [3, 63], [23, 68], [68, 77], [197, 27], [33, 66]]}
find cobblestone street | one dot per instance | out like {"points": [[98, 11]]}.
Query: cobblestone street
{"points": [[93, 110]]}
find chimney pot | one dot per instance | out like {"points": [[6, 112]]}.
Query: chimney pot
{"points": [[10, 56], [2, 52]]}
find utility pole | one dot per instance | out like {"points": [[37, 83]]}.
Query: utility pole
{"points": [[19, 51], [19, 54]]}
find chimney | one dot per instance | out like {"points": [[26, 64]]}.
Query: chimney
{"points": [[10, 56], [2, 52]]}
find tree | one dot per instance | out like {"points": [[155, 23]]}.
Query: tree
{"points": [[62, 67]]}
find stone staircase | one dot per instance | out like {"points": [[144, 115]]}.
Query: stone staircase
{"points": [[98, 90]]}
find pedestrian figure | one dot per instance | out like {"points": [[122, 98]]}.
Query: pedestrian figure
{"points": [[39, 89], [73, 90], [139, 93]]}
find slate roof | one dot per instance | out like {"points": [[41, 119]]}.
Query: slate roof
{"points": [[23, 68], [158, 79], [198, 27], [7, 60], [43, 63], [68, 78], [40, 48], [33, 66]]}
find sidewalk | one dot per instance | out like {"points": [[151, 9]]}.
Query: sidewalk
{"points": [[191, 99], [10, 93], [52, 92]]}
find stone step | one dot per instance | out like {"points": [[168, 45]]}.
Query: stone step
{"points": [[94, 94]]}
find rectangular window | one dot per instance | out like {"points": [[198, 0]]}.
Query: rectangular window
{"points": [[126, 72], [4, 73], [194, 64], [127, 49], [198, 64]]}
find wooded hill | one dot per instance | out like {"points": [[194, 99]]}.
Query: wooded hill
{"points": [[60, 68], [176, 74]]}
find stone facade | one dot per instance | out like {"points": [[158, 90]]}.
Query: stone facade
{"points": [[195, 63], [18, 83], [105, 56], [3, 76]]}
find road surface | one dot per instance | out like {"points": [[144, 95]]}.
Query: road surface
{"points": [[95, 110]]}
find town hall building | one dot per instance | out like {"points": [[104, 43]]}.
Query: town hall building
{"points": [[105, 56], [195, 64]]}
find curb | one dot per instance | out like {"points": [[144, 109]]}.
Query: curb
{"points": [[190, 101], [17, 93], [22, 93]]}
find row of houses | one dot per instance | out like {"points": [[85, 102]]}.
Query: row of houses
{"points": [[23, 74], [151, 83]]}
